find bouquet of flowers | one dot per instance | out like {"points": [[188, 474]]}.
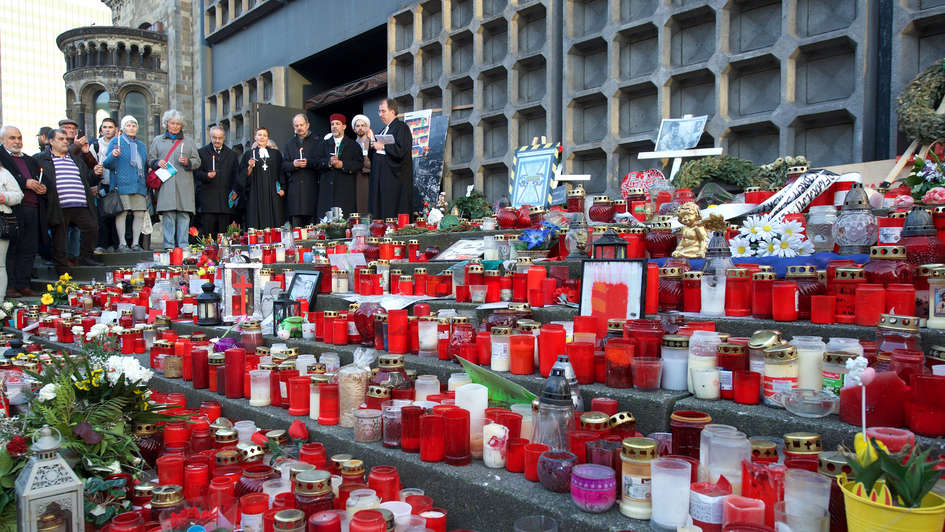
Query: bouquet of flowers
{"points": [[58, 294], [927, 180], [761, 236], [542, 238]]}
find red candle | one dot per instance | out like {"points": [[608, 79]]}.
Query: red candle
{"points": [[884, 402], [869, 302], [535, 298], [299, 395], [551, 343], [385, 481], [900, 299], [822, 308], [548, 287], [183, 349], [533, 452], [419, 503], [519, 287], [581, 355], [577, 443], [284, 376], [367, 521], [764, 482], [410, 428], [535, 275], [515, 456], [521, 354], [456, 427], [170, 469], [432, 437], [692, 291], [784, 301], [436, 519], [275, 388], [737, 509], [652, 298], [747, 387], [737, 292], [397, 331], [196, 480], [327, 403], [761, 286], [235, 364], [201, 369]]}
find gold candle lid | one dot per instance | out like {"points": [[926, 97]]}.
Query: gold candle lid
{"points": [[278, 435], [639, 449], [520, 307], [339, 459], [670, 271], [801, 270], [888, 252], [249, 451], [313, 482], [526, 325], [474, 268], [389, 361], [501, 331], [596, 421], [739, 273], [850, 273], [926, 269], [491, 273], [731, 349], [675, 341], [837, 357], [803, 442], [615, 325], [418, 271], [225, 436], [352, 467], [937, 353], [832, 463], [780, 354], [459, 319], [892, 322], [692, 275], [166, 496], [621, 418], [764, 276], [764, 338], [764, 449]]}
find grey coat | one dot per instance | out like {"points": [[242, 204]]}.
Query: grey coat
{"points": [[177, 193]]}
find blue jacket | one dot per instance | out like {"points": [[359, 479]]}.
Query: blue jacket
{"points": [[123, 175]]}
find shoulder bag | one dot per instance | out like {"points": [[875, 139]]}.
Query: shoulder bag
{"points": [[153, 181]]}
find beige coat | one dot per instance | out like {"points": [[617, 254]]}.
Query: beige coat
{"points": [[177, 193]]}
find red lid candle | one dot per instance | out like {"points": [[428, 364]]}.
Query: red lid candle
{"points": [[846, 280], [575, 199], [551, 342], [737, 292], [692, 291], [763, 451], [328, 412], [601, 210], [888, 264], [493, 285], [475, 274], [420, 281], [895, 332], [686, 427], [731, 358], [805, 277], [670, 289]]}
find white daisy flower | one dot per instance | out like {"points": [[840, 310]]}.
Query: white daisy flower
{"points": [[741, 247], [806, 248], [784, 247], [751, 228], [790, 229], [766, 248]]}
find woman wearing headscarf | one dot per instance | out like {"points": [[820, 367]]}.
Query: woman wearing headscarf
{"points": [[125, 159], [362, 180], [176, 202]]}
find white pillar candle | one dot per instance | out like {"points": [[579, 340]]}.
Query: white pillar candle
{"points": [[705, 382], [426, 385], [810, 360], [426, 333], [314, 401], [474, 398], [495, 438], [456, 380], [259, 387], [705, 445], [669, 485], [674, 373], [713, 294], [308, 330]]}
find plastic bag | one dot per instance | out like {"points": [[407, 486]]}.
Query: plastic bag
{"points": [[353, 381]]}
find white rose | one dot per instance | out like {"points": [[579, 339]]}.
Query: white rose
{"points": [[48, 392], [7, 306]]}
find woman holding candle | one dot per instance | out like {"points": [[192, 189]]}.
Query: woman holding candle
{"points": [[176, 153], [126, 162], [262, 182]]}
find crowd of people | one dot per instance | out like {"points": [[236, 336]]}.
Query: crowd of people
{"points": [[78, 197]]}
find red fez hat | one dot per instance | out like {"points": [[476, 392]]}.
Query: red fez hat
{"points": [[339, 117]]}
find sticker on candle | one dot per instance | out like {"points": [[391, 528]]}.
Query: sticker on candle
{"points": [[637, 488]]}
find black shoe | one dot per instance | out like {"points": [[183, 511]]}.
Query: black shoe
{"points": [[84, 261]]}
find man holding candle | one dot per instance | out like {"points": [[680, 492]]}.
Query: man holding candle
{"points": [[304, 159], [216, 175], [336, 188], [391, 165]]}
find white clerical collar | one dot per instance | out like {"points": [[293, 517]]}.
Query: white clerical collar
{"points": [[263, 153]]}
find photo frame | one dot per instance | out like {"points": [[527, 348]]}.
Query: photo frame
{"points": [[613, 289], [680, 133], [533, 175], [240, 290], [305, 285]]}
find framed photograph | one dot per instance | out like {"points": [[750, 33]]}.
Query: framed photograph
{"points": [[462, 249], [305, 286], [613, 289], [533, 175], [241, 290], [680, 133]]}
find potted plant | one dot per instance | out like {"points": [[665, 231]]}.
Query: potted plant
{"points": [[891, 490]]}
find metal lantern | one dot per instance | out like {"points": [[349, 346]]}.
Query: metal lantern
{"points": [[49, 495], [610, 246], [282, 308], [855, 230], [208, 306], [576, 238]]}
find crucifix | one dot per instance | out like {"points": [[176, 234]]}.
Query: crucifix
{"points": [[240, 297]]}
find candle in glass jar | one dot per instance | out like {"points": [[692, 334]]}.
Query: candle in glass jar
{"points": [[810, 353], [781, 371], [500, 349]]}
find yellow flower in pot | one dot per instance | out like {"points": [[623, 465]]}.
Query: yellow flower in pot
{"points": [[892, 491]]}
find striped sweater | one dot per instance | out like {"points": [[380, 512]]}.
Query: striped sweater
{"points": [[68, 183]]}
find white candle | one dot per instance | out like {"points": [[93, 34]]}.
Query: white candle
{"points": [[669, 486], [213, 163], [674, 373], [474, 398], [705, 382], [300, 153], [426, 385], [810, 358], [495, 437]]}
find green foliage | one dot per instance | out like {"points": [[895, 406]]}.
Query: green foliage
{"points": [[909, 474], [723, 169], [926, 175], [774, 174], [472, 206], [104, 499], [917, 103]]}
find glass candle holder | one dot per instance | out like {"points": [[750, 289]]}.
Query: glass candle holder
{"points": [[554, 470], [432, 437], [456, 427], [670, 484], [646, 373], [593, 487], [259, 387], [367, 425], [686, 426], [533, 452]]}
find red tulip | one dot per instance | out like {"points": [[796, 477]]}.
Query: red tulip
{"points": [[260, 439], [298, 431]]}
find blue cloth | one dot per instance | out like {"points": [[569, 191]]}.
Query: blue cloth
{"points": [[780, 265], [128, 178]]}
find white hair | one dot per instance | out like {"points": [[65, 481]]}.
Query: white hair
{"points": [[5, 129], [218, 128], [126, 119], [171, 114]]}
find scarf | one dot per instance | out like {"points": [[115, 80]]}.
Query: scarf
{"points": [[136, 159], [173, 137]]}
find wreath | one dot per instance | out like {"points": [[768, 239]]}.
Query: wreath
{"points": [[917, 104]]}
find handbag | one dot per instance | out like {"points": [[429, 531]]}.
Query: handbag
{"points": [[9, 226], [111, 203], [152, 180]]}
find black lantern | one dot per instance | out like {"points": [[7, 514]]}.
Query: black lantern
{"points": [[282, 308], [208, 306], [610, 246]]}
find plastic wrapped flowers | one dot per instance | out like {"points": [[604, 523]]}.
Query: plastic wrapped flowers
{"points": [[760, 236]]}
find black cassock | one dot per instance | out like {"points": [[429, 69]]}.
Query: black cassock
{"points": [[392, 173], [263, 204], [337, 186], [300, 198]]}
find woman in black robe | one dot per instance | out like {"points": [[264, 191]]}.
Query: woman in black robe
{"points": [[337, 186], [262, 183]]}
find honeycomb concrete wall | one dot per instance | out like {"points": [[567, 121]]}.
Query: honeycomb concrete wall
{"points": [[811, 77]]}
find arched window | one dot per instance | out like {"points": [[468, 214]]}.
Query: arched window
{"points": [[136, 105], [102, 110]]}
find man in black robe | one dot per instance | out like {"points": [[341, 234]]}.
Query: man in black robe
{"points": [[391, 166], [261, 181], [337, 187], [216, 174], [303, 160]]}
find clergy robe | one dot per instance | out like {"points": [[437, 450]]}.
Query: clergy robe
{"points": [[263, 204], [392, 173], [337, 187], [300, 198]]}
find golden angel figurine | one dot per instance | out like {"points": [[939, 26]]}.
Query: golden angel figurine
{"points": [[693, 238]]}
